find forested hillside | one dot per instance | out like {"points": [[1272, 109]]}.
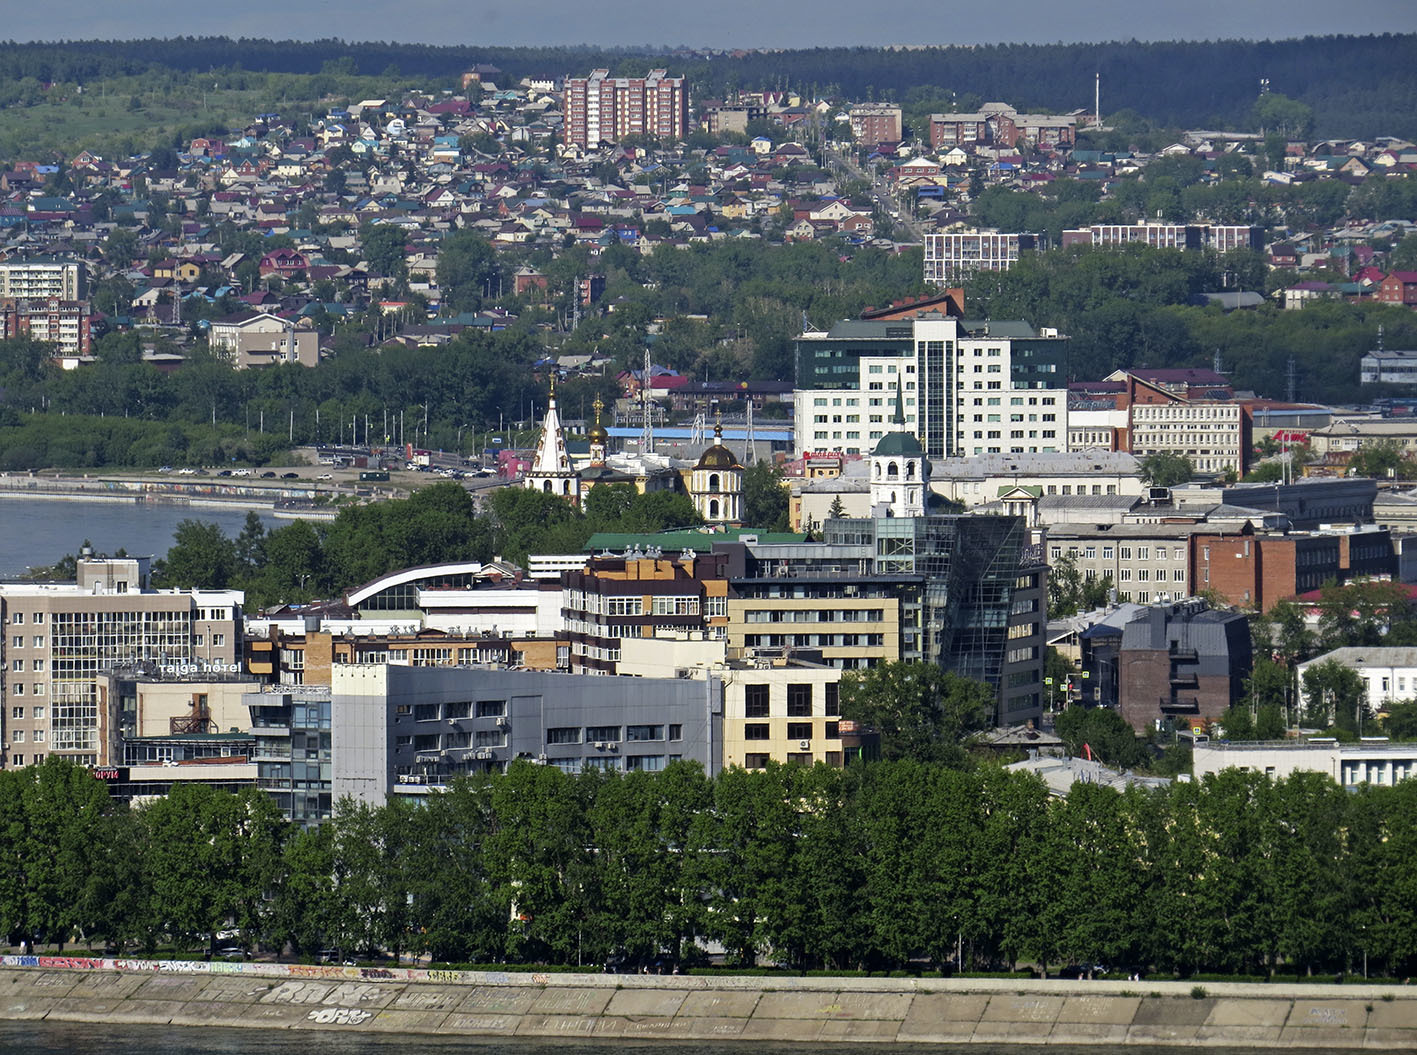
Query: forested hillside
{"points": [[1356, 86]]}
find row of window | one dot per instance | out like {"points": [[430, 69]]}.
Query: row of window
{"points": [[610, 734], [757, 700], [452, 711], [795, 731], [18, 618], [1124, 552], [18, 641], [17, 736]]}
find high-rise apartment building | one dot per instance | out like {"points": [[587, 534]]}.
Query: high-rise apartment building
{"points": [[967, 387], [1220, 237], [35, 277], [61, 639], [953, 256], [602, 108]]}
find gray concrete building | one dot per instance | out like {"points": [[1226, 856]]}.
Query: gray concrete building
{"points": [[409, 730]]}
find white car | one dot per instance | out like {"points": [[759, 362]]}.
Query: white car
{"points": [[326, 476]]}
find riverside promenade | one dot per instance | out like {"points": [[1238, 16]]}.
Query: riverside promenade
{"points": [[781, 1009]]}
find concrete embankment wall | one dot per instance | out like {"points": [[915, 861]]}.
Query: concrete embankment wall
{"points": [[612, 1007]]}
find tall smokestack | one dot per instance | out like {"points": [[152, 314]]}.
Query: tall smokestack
{"points": [[1097, 100]]}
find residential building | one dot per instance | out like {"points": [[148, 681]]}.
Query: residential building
{"points": [[255, 339], [601, 108], [1183, 662], [63, 323], [1389, 672], [61, 639], [294, 750], [640, 595], [1219, 237], [954, 255], [875, 123], [1370, 761], [1399, 287], [44, 278], [1000, 124], [411, 730]]}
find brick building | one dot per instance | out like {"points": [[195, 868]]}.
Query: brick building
{"points": [[600, 108], [875, 123], [1185, 662], [1258, 571]]}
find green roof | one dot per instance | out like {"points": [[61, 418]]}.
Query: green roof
{"points": [[898, 443], [688, 538]]}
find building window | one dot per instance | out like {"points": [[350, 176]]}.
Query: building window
{"points": [[425, 712], [799, 730], [563, 735], [755, 701], [491, 708], [602, 734], [454, 711], [755, 761], [832, 731], [755, 731], [832, 694], [799, 701], [644, 732], [676, 732]]}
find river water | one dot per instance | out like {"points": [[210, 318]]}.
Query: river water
{"points": [[59, 1038], [38, 531]]}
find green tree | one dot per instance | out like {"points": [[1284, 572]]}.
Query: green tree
{"points": [[1165, 469], [1401, 721], [1335, 696], [1104, 731], [1382, 460], [920, 710], [201, 557], [468, 271], [765, 499], [383, 246], [1069, 592]]}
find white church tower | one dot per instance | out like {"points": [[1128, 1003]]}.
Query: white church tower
{"points": [[900, 472], [551, 470], [716, 483]]}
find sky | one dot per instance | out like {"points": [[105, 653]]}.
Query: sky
{"points": [[713, 24]]}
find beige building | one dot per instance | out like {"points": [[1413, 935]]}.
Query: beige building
{"points": [[61, 639], [1209, 434], [780, 710], [263, 339], [857, 625], [774, 708]]}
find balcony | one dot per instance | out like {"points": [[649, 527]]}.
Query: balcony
{"points": [[1180, 705]]}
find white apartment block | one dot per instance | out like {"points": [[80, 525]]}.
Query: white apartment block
{"points": [[1209, 434], [952, 256], [59, 639], [44, 277]]}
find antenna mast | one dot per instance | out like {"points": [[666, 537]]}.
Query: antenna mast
{"points": [[750, 452], [647, 433]]}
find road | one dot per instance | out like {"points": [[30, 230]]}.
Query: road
{"points": [[845, 164]]}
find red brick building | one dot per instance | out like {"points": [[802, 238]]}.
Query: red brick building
{"points": [[602, 108], [1258, 571], [1400, 287]]}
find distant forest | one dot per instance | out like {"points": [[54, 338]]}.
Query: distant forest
{"points": [[1356, 86]]}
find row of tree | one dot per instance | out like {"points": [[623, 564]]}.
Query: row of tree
{"points": [[877, 866], [304, 560]]}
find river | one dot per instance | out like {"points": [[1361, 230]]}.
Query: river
{"points": [[39, 531], [60, 1038]]}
